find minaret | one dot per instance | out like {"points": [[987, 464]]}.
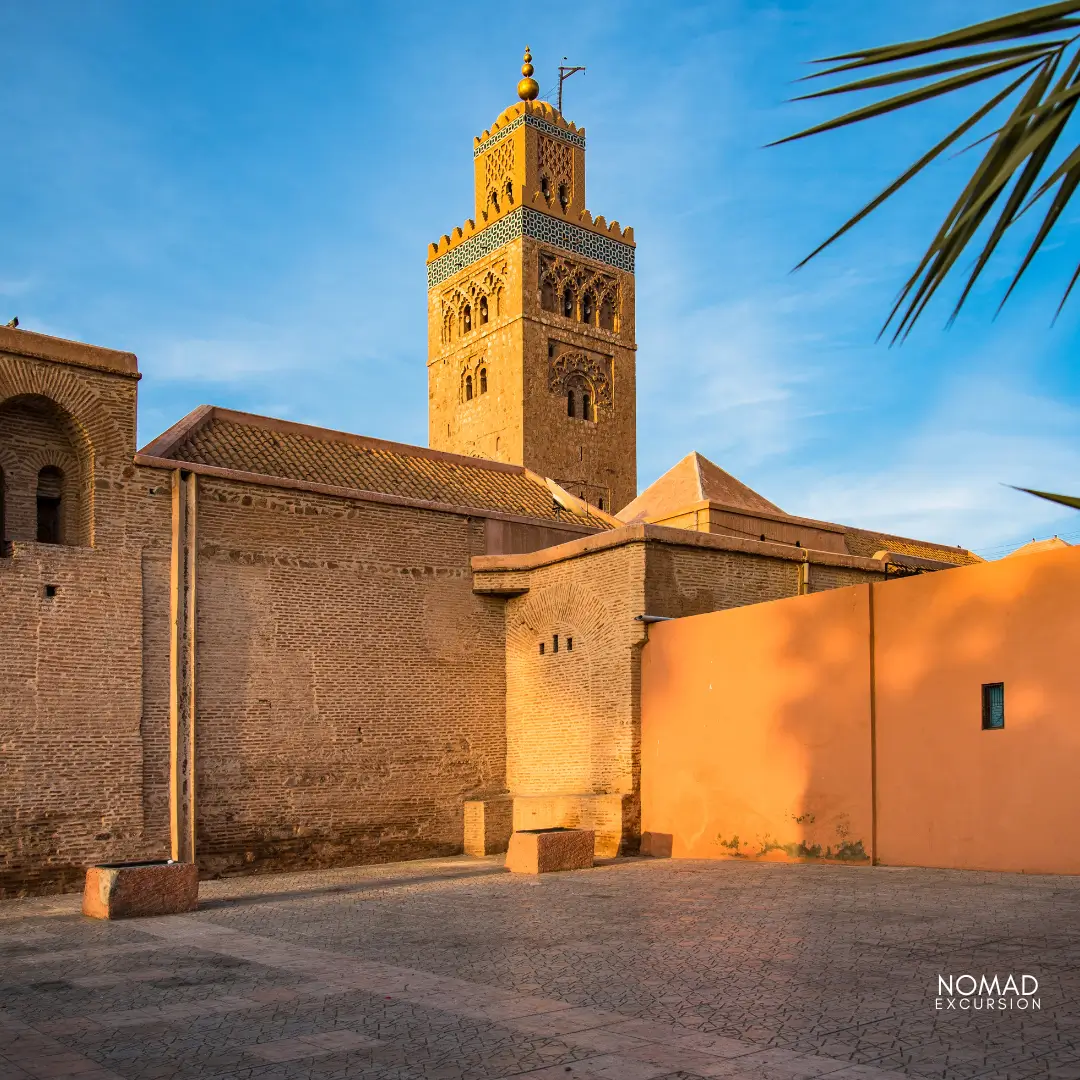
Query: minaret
{"points": [[531, 314]]}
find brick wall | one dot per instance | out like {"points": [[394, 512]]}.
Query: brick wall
{"points": [[350, 684], [71, 686], [574, 717]]}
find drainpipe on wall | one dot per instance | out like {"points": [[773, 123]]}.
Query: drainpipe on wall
{"points": [[182, 597]]}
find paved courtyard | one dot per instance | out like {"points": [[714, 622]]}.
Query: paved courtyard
{"points": [[634, 970]]}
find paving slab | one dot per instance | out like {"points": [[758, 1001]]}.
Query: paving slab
{"points": [[638, 968]]}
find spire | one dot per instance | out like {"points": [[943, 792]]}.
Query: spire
{"points": [[528, 88]]}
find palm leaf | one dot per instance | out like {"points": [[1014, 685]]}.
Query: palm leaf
{"points": [[912, 97], [1065, 500], [926, 71], [1015, 171], [1048, 18]]}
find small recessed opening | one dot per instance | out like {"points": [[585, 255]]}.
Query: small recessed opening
{"points": [[50, 591], [541, 648], [993, 706], [600, 502], [569, 644], [555, 643]]}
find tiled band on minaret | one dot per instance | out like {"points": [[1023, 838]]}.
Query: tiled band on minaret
{"points": [[531, 315]]}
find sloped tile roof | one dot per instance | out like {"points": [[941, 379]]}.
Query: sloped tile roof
{"points": [[866, 543], [246, 443]]}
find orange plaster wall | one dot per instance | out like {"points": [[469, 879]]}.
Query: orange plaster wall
{"points": [[756, 726], [949, 793]]}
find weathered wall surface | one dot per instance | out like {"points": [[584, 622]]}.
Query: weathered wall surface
{"points": [[756, 730], [570, 709], [350, 684], [574, 716], [950, 793], [71, 620]]}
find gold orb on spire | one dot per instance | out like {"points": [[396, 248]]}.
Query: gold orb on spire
{"points": [[528, 88]]}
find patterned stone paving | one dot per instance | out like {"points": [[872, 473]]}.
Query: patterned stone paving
{"points": [[636, 970]]}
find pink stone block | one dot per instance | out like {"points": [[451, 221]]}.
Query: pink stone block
{"points": [[541, 851], [127, 890]]}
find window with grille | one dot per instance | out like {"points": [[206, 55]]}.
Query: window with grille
{"points": [[993, 706]]}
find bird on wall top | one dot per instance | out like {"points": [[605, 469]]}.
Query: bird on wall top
{"points": [[14, 322]]}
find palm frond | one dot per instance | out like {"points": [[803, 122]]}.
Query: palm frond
{"points": [[1015, 171], [1065, 500]]}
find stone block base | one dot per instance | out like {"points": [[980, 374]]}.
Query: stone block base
{"points": [[541, 851], [488, 825], [128, 890], [613, 818]]}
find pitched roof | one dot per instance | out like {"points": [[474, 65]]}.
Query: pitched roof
{"points": [[1037, 546], [868, 543], [260, 446], [693, 480]]}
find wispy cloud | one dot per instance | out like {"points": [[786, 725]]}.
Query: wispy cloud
{"points": [[947, 479], [218, 360]]}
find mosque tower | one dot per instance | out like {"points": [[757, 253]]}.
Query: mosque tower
{"points": [[531, 314]]}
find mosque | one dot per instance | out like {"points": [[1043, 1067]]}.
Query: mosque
{"points": [[262, 645]]}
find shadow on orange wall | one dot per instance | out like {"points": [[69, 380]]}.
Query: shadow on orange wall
{"points": [[769, 732], [756, 730], [948, 792]]}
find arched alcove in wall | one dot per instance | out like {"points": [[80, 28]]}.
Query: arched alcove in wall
{"points": [[47, 464]]}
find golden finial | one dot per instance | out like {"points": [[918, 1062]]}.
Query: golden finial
{"points": [[528, 88]]}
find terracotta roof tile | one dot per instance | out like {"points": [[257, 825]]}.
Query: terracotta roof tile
{"points": [[866, 543], [270, 448]]}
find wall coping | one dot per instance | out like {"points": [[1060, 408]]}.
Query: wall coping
{"points": [[662, 534], [741, 511], [64, 351], [352, 494]]}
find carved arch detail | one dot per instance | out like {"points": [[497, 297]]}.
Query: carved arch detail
{"points": [[572, 366]]}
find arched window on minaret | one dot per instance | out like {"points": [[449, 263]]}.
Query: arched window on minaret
{"points": [[570, 402], [547, 294], [468, 388], [509, 191], [466, 318], [564, 196], [607, 313], [588, 308], [568, 302], [483, 380], [545, 187], [483, 310], [586, 407]]}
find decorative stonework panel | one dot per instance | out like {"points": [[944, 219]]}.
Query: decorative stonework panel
{"points": [[577, 240], [525, 221], [482, 295], [557, 273], [570, 364], [539, 124], [499, 169], [555, 160]]}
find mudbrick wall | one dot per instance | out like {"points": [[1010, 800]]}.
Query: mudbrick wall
{"points": [[350, 684], [573, 714], [71, 748]]}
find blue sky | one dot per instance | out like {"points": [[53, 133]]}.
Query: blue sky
{"points": [[242, 191]]}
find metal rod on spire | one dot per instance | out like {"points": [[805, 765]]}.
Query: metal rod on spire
{"points": [[564, 74]]}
